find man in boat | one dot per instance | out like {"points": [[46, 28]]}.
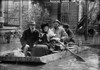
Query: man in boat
{"points": [[59, 30], [29, 37], [70, 33]]}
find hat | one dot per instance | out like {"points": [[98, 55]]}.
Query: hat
{"points": [[32, 23], [43, 25], [66, 25], [57, 21], [55, 39]]}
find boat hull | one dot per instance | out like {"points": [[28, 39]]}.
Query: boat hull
{"points": [[42, 59]]}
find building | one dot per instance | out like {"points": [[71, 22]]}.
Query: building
{"points": [[68, 12], [71, 12], [1, 14], [12, 11]]}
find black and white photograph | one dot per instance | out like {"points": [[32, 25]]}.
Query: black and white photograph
{"points": [[49, 34]]}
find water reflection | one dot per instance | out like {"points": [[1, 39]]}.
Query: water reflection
{"points": [[70, 63], [21, 66]]}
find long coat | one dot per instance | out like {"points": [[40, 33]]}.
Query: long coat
{"points": [[29, 38]]}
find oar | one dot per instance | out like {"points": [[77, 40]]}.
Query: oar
{"points": [[79, 58], [83, 44]]}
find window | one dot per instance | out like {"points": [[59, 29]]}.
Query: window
{"points": [[12, 11], [64, 17]]}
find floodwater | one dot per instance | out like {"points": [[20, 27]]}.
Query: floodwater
{"points": [[91, 57]]}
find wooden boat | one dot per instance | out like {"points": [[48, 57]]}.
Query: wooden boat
{"points": [[45, 58]]}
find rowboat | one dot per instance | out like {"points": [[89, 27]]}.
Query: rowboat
{"points": [[45, 58]]}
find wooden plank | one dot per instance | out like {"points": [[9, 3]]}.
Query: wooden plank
{"points": [[53, 57]]}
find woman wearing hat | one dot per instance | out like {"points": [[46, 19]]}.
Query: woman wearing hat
{"points": [[47, 34]]}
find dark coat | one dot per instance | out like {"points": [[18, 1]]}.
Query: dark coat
{"points": [[44, 39], [70, 33], [29, 38]]}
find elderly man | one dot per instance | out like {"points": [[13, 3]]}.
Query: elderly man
{"points": [[29, 37]]}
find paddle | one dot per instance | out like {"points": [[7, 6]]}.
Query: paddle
{"points": [[79, 58]]}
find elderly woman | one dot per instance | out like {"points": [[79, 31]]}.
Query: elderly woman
{"points": [[46, 34], [70, 33]]}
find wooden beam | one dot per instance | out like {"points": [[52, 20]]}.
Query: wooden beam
{"points": [[20, 13], [86, 24]]}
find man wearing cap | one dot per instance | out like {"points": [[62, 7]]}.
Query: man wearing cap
{"points": [[59, 30], [29, 37]]}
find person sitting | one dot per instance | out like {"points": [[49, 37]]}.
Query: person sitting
{"points": [[61, 35], [46, 34], [29, 37], [70, 33], [59, 30]]}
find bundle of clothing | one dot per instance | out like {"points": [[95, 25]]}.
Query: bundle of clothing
{"points": [[13, 53]]}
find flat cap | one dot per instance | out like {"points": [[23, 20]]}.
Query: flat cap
{"points": [[32, 23], [57, 21]]}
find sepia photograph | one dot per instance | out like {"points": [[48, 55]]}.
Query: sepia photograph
{"points": [[49, 34]]}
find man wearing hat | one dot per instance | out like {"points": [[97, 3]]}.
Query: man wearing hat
{"points": [[59, 30], [29, 37]]}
